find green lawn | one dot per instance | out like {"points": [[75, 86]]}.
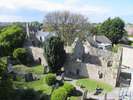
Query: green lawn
{"points": [[91, 85], [38, 85], [38, 69]]}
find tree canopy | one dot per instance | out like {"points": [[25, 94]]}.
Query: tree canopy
{"points": [[67, 25], [11, 37], [113, 29], [3, 65], [54, 53]]}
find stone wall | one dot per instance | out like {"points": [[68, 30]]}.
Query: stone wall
{"points": [[93, 70], [38, 53], [89, 67]]}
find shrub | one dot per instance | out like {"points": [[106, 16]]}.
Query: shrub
{"points": [[50, 79], [59, 94], [69, 88], [23, 56]]}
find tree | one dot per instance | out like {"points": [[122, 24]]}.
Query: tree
{"points": [[66, 25], [113, 29], [23, 56], [11, 37], [3, 65], [54, 53], [6, 85]]}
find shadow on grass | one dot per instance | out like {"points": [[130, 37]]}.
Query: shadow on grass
{"points": [[77, 93], [29, 94]]}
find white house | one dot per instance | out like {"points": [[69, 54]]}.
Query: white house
{"points": [[42, 36]]}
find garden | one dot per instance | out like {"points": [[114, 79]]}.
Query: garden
{"points": [[23, 78], [91, 85]]}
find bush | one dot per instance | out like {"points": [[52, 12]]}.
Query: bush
{"points": [[69, 88], [59, 94], [50, 79], [23, 56]]}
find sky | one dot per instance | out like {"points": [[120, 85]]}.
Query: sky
{"points": [[95, 10]]}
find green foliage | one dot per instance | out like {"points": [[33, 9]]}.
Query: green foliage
{"points": [[38, 69], [38, 85], [11, 37], [59, 94], [54, 53], [3, 65], [23, 56], [113, 29], [115, 48], [30, 94], [6, 89], [69, 88], [5, 83], [50, 79]]}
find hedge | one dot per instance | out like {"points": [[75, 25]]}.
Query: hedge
{"points": [[50, 79]]}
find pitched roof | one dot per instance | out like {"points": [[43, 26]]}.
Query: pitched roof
{"points": [[102, 39]]}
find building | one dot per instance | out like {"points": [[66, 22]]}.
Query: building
{"points": [[91, 62], [42, 36], [35, 37], [100, 41], [126, 74]]}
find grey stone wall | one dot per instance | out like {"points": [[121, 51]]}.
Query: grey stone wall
{"points": [[38, 53], [92, 70]]}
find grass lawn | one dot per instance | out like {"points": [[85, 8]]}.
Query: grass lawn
{"points": [[91, 85], [74, 98], [38, 69], [38, 85]]}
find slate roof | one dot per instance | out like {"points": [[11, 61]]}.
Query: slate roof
{"points": [[102, 39], [99, 39]]}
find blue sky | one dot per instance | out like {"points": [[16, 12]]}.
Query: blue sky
{"points": [[95, 10]]}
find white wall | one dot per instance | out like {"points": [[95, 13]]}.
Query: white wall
{"points": [[127, 58]]}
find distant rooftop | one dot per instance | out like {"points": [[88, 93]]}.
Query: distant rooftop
{"points": [[44, 35], [102, 39]]}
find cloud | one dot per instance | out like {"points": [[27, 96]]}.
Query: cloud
{"points": [[14, 18], [48, 6]]}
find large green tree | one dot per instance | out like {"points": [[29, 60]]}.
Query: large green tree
{"points": [[11, 37], [54, 53], [113, 29]]}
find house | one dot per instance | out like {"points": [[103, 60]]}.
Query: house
{"points": [[42, 36], [100, 41], [35, 37]]}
